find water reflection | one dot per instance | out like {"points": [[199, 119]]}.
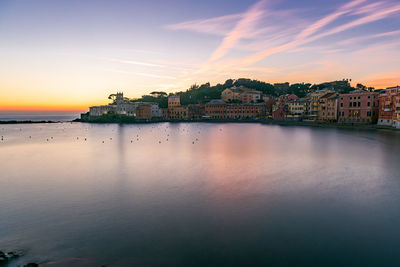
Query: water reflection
{"points": [[220, 194]]}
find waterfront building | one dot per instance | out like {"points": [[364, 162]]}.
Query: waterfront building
{"points": [[245, 111], [315, 103], [96, 111], [358, 107], [280, 107], [196, 111], [397, 109], [178, 112], [164, 112], [388, 106], [279, 110], [156, 111], [123, 106], [218, 109], [328, 107], [175, 109], [298, 109], [144, 111]]}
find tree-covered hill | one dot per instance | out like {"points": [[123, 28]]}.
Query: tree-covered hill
{"points": [[198, 94]]}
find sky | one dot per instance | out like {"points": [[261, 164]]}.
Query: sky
{"points": [[68, 55]]}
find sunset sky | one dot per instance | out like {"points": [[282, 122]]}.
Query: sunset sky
{"points": [[67, 55]]}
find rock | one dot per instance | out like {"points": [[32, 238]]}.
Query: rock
{"points": [[31, 264], [11, 255], [8, 256]]}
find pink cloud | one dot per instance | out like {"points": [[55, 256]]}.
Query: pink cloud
{"points": [[242, 28]]}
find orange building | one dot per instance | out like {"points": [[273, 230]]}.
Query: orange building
{"points": [[181, 112], [143, 111], [387, 106], [218, 109], [174, 101]]}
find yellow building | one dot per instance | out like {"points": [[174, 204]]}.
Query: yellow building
{"points": [[328, 107], [315, 98], [175, 109], [298, 109], [231, 94]]}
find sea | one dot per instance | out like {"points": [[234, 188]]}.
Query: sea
{"points": [[199, 194]]}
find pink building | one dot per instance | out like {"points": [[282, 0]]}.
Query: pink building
{"points": [[358, 107], [250, 96]]}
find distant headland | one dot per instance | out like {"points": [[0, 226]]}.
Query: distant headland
{"points": [[249, 100]]}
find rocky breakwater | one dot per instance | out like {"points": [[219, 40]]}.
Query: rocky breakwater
{"points": [[8, 257]]}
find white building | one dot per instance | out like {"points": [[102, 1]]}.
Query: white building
{"points": [[123, 106]]}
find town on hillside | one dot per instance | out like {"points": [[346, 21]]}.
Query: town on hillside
{"points": [[333, 102]]}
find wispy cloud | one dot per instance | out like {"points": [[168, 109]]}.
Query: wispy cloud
{"points": [[242, 28], [132, 62], [313, 28], [151, 75], [216, 26], [257, 35], [306, 36]]}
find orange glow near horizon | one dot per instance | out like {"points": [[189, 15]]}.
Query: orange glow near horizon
{"points": [[46, 107], [69, 105]]}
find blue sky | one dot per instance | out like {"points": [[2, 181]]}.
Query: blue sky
{"points": [[73, 53]]}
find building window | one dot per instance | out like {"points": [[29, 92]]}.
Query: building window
{"points": [[369, 104]]}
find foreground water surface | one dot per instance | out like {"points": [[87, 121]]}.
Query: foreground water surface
{"points": [[74, 194]]}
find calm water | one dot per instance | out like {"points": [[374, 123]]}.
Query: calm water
{"points": [[213, 194], [38, 117]]}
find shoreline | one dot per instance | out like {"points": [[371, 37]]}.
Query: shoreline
{"points": [[266, 122], [29, 122]]}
